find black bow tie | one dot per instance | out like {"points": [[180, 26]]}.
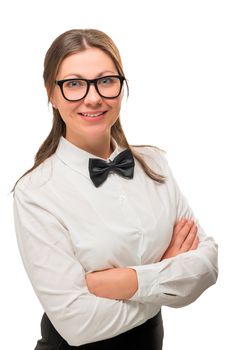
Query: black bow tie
{"points": [[123, 164]]}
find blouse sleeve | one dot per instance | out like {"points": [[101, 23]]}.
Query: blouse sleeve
{"points": [[180, 280], [58, 278]]}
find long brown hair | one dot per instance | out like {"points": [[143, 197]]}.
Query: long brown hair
{"points": [[70, 42]]}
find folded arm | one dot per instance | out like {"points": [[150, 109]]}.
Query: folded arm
{"points": [[181, 276], [178, 280], [122, 283], [186, 269], [58, 278]]}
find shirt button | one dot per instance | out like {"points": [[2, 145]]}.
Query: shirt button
{"points": [[122, 196]]}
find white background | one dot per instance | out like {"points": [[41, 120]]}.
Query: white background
{"points": [[179, 60]]}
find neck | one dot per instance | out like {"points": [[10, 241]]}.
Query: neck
{"points": [[100, 147]]}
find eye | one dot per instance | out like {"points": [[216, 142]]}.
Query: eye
{"points": [[71, 84], [106, 81]]}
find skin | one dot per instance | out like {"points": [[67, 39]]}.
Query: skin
{"points": [[94, 137]]}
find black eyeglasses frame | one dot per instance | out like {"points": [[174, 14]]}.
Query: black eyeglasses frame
{"points": [[89, 82]]}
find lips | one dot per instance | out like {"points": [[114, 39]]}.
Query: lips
{"points": [[92, 117], [92, 114]]}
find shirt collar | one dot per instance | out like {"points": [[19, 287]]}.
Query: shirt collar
{"points": [[77, 158]]}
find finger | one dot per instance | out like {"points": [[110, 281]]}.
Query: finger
{"points": [[183, 233], [179, 225], [195, 243], [189, 240]]}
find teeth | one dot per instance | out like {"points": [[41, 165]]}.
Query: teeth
{"points": [[92, 115]]}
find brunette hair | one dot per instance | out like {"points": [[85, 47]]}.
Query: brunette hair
{"points": [[70, 42]]}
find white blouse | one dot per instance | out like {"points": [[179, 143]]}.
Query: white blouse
{"points": [[66, 227]]}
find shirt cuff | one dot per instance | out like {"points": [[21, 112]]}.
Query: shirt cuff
{"points": [[148, 281]]}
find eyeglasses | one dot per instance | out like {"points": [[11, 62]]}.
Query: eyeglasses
{"points": [[76, 89]]}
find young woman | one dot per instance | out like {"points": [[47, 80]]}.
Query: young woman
{"points": [[105, 234]]}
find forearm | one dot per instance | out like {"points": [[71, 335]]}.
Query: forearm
{"points": [[115, 283], [180, 280]]}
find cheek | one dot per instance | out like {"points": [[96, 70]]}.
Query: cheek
{"points": [[64, 107], [67, 109], [116, 104]]}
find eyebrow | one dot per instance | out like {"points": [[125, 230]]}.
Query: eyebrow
{"points": [[80, 76]]}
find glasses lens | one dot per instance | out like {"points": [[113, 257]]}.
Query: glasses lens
{"points": [[109, 86], [74, 89]]}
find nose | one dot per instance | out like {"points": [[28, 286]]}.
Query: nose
{"points": [[92, 95]]}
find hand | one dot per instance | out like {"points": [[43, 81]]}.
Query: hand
{"points": [[184, 239]]}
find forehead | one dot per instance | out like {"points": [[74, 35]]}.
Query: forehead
{"points": [[87, 63]]}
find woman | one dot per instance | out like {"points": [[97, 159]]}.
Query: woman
{"points": [[105, 234]]}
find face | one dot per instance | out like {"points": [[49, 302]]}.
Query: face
{"points": [[89, 64]]}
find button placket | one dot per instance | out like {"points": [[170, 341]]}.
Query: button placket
{"points": [[122, 197]]}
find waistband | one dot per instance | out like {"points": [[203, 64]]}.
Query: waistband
{"points": [[52, 340]]}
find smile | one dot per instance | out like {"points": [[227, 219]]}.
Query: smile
{"points": [[95, 116], [92, 115]]}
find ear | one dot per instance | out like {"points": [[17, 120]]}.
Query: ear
{"points": [[53, 103], [122, 94], [52, 99]]}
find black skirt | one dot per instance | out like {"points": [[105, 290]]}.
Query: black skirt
{"points": [[147, 336]]}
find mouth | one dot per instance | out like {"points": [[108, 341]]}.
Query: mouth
{"points": [[93, 115]]}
